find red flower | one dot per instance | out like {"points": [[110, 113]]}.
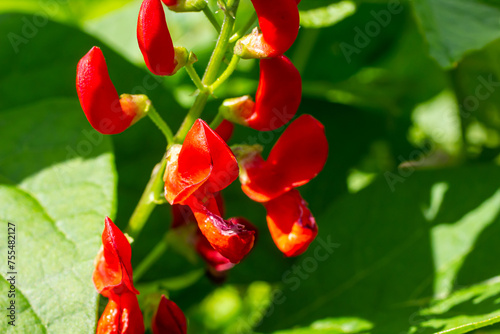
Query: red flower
{"points": [[202, 167], [277, 99], [168, 318], [154, 39], [279, 22], [121, 316], [105, 111], [298, 156], [232, 239], [290, 222], [113, 270], [204, 164]]}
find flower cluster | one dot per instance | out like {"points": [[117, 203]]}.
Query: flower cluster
{"points": [[198, 162], [113, 278]]}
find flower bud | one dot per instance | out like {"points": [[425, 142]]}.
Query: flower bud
{"points": [[155, 42], [104, 109], [291, 224], [168, 318], [279, 24], [277, 99]]}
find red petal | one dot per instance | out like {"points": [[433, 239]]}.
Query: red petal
{"points": [[132, 321], [291, 224], [168, 318], [154, 38], [113, 272], [279, 22], [301, 152], [278, 95], [230, 238], [225, 130], [298, 156], [170, 2], [98, 97], [121, 316], [212, 257], [204, 160]]}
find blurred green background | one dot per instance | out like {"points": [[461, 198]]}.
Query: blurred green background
{"points": [[407, 205]]}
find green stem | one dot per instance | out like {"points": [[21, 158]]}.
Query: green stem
{"points": [[147, 202], [227, 73], [208, 78], [195, 77], [161, 124], [211, 17], [244, 29], [151, 258], [216, 121]]}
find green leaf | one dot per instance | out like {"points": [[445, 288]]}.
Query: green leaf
{"points": [[378, 251], [58, 184], [74, 11], [456, 27], [328, 15], [465, 310]]}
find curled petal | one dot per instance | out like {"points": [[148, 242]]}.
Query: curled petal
{"points": [[279, 22], [277, 99], [154, 39], [122, 315], [104, 109], [168, 318], [291, 224], [298, 156], [204, 163], [113, 271], [230, 238]]}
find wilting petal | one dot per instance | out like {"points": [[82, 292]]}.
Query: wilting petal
{"points": [[113, 271], [168, 318], [291, 224], [298, 156], [230, 238], [121, 316]]}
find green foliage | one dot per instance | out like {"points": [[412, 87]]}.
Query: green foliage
{"points": [[56, 190], [408, 201]]}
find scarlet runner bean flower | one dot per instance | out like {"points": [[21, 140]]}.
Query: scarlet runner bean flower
{"points": [[183, 216], [277, 99], [168, 318], [185, 5], [298, 155], [113, 279], [155, 42], [197, 170], [290, 222], [279, 22], [104, 109], [122, 315], [113, 270]]}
